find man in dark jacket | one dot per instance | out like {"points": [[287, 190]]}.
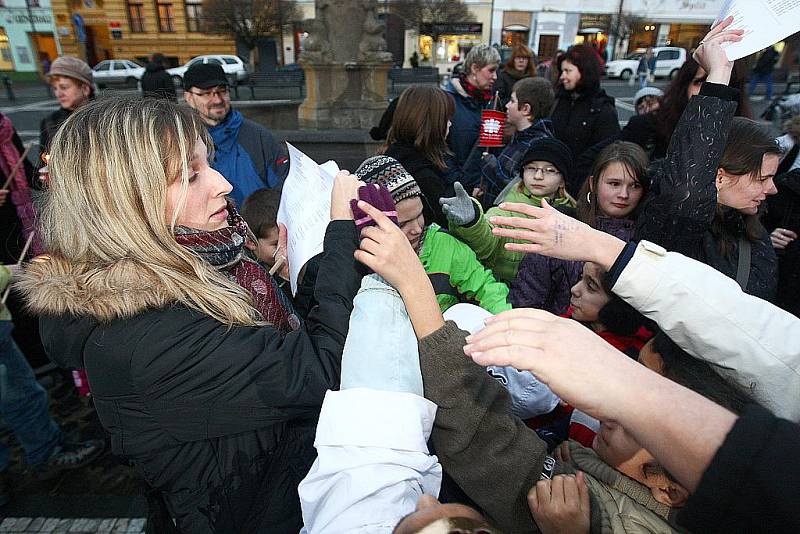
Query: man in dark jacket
{"points": [[156, 81], [246, 153]]}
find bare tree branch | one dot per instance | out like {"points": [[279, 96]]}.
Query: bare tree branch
{"points": [[248, 20]]}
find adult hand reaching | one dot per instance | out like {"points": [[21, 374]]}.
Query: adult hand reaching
{"points": [[345, 188], [577, 364], [552, 233], [711, 55], [781, 237], [459, 210]]}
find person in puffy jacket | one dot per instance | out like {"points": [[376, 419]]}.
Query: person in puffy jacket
{"points": [[202, 374]]}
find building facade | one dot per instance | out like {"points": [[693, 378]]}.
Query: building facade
{"points": [[547, 26], [27, 35], [135, 29]]}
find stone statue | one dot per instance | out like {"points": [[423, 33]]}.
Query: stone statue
{"points": [[346, 66], [372, 46], [338, 36], [316, 47]]}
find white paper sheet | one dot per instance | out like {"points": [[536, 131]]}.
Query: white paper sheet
{"points": [[765, 22], [305, 209]]}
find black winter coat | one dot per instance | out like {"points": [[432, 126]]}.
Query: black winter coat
{"points": [[431, 180], [49, 126], [584, 119], [504, 85], [682, 202], [156, 82], [756, 464], [783, 211], [221, 420]]}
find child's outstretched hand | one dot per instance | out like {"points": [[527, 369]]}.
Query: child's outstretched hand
{"points": [[459, 210]]}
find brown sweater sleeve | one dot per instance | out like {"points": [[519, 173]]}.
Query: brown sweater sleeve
{"points": [[488, 451]]}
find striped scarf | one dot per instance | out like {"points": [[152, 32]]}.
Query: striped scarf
{"points": [[224, 249]]}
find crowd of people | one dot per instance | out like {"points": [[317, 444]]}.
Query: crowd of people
{"points": [[589, 329]]}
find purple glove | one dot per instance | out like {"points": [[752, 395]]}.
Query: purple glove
{"points": [[377, 196]]}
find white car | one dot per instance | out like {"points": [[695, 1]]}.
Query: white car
{"points": [[668, 60], [233, 66], [117, 71]]}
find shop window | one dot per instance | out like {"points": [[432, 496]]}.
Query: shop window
{"points": [[136, 17], [166, 19], [194, 15]]}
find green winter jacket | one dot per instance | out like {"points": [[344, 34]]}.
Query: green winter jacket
{"points": [[491, 249], [457, 275]]}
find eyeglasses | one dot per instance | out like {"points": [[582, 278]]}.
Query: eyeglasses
{"points": [[219, 91], [547, 172]]}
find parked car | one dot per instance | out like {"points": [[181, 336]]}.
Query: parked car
{"points": [[117, 71], [233, 66], [668, 60]]}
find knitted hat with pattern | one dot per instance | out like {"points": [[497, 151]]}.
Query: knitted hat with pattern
{"points": [[388, 172]]}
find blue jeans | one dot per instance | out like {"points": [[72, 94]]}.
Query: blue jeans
{"points": [[758, 78], [643, 80], [381, 349], [23, 404]]}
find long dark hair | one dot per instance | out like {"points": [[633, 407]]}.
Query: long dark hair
{"points": [[635, 160], [420, 120], [675, 97], [748, 143], [584, 57], [700, 377]]}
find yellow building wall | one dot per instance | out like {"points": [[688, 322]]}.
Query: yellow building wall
{"points": [[180, 43]]}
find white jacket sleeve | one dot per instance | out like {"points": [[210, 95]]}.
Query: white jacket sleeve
{"points": [[710, 317], [373, 462]]}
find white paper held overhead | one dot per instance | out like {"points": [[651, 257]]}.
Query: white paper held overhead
{"points": [[765, 22], [305, 209]]}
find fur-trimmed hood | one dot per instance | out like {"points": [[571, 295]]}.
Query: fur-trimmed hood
{"points": [[56, 287], [74, 299]]}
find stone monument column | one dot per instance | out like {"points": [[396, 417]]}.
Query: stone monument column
{"points": [[346, 66]]}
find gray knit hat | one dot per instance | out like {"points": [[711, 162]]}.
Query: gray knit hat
{"points": [[388, 172], [71, 67]]}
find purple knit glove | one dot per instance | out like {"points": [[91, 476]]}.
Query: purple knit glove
{"points": [[377, 196]]}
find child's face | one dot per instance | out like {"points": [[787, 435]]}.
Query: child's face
{"points": [[618, 191], [541, 178], [588, 295], [516, 116], [266, 247]]}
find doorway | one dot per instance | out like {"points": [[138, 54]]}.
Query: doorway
{"points": [[548, 46]]}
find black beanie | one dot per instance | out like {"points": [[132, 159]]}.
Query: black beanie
{"points": [[552, 150]]}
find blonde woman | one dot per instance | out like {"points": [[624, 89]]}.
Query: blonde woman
{"points": [[200, 371]]}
